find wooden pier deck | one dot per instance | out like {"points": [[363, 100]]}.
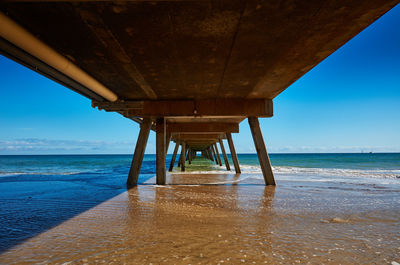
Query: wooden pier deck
{"points": [[189, 70]]}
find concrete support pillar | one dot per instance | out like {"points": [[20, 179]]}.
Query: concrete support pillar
{"points": [[233, 152], [210, 153], [183, 156], [214, 155], [139, 153], [221, 144], [160, 152], [194, 156], [261, 151], [180, 155], [168, 141], [171, 165], [217, 154]]}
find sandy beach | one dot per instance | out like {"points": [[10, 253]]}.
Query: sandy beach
{"points": [[236, 221]]}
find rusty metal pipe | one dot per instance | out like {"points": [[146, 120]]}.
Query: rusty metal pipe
{"points": [[21, 38]]}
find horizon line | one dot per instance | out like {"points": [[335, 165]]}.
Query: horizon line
{"points": [[289, 153]]}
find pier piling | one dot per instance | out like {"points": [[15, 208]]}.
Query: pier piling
{"points": [[262, 153], [160, 152], [171, 165], [139, 152], [221, 144], [183, 156], [233, 153], [217, 153], [214, 154]]}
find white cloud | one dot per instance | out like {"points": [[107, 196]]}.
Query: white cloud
{"points": [[48, 146], [333, 149]]}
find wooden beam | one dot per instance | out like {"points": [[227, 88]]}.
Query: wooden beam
{"points": [[200, 145], [139, 153], [160, 152], [182, 137], [233, 153], [204, 141], [261, 151], [203, 127], [171, 165], [217, 153], [221, 144], [183, 156], [201, 107]]}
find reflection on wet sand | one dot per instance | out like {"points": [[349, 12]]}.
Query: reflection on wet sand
{"points": [[211, 224]]}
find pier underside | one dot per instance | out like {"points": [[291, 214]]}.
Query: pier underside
{"points": [[191, 71], [193, 139]]}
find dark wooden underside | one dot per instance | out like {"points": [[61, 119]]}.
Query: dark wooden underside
{"points": [[201, 49]]}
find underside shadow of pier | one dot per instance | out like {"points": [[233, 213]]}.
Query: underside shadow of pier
{"points": [[30, 206], [33, 204]]}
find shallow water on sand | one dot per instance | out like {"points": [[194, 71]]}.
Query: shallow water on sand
{"points": [[238, 221]]}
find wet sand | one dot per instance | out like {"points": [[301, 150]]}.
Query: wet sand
{"points": [[203, 222]]}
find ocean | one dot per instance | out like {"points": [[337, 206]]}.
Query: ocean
{"points": [[383, 168]]}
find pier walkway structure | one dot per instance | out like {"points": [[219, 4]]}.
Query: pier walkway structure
{"points": [[189, 70]]}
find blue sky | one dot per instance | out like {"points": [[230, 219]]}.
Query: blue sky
{"points": [[348, 103]]}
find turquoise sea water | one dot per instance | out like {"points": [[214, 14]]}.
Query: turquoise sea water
{"points": [[376, 165]]}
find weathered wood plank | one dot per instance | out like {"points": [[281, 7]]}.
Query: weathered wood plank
{"points": [[139, 153], [202, 127], [192, 136], [262, 153], [233, 153], [202, 107]]}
